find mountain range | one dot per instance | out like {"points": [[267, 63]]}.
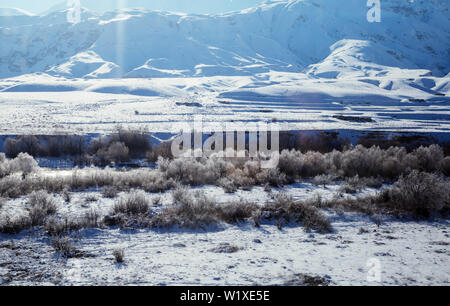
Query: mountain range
{"points": [[320, 38]]}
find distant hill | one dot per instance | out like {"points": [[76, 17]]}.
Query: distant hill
{"points": [[185, 6], [321, 38]]}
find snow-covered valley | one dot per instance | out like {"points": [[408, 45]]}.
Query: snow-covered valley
{"points": [[304, 65], [300, 63], [409, 252]]}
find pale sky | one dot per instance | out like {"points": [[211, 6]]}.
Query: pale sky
{"points": [[195, 6]]}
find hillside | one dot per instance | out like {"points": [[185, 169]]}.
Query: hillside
{"points": [[186, 6], [321, 38]]}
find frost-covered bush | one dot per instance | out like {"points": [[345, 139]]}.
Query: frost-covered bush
{"points": [[445, 166], [193, 171], [137, 141], [163, 150], [314, 163], [42, 205], [324, 179], [297, 164], [110, 192], [58, 145], [24, 163], [12, 226], [291, 162], [5, 166], [116, 152], [22, 144], [119, 255], [419, 193], [134, 203], [190, 210], [428, 158], [284, 209], [228, 185], [356, 184], [362, 161], [64, 246], [119, 146]]}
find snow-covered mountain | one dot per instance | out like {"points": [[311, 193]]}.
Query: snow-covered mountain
{"points": [[10, 11], [322, 38], [185, 6]]}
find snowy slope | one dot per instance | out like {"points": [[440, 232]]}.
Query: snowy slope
{"points": [[324, 38], [185, 6]]}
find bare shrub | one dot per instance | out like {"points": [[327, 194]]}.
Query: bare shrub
{"points": [[324, 179], [134, 203], [14, 226], [91, 219], [58, 145], [284, 209], [110, 192], [301, 279], [116, 152], [236, 212], [356, 184], [64, 246], [137, 141], [5, 166], [428, 158], [42, 205], [22, 144], [188, 211], [225, 248], [57, 227], [445, 166], [228, 185], [97, 144], [191, 171], [91, 198], [241, 179], [80, 180], [196, 210], [119, 255], [320, 142], [348, 188], [22, 163], [361, 161], [164, 150], [420, 194], [291, 163]]}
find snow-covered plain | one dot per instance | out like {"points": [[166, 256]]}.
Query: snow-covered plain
{"points": [[297, 62], [49, 105], [409, 252]]}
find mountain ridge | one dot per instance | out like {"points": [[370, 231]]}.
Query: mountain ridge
{"points": [[285, 36]]}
